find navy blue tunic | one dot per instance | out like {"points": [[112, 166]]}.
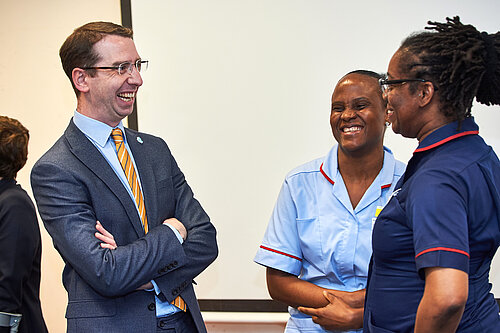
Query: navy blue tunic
{"points": [[445, 212]]}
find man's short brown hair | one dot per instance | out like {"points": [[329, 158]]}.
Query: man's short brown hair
{"points": [[13, 146], [78, 49]]}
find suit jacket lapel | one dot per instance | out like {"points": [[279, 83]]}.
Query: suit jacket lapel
{"points": [[90, 156], [146, 175]]}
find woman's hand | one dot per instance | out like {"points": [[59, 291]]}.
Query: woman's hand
{"points": [[343, 312]]}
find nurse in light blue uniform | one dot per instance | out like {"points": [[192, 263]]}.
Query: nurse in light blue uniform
{"points": [[319, 235]]}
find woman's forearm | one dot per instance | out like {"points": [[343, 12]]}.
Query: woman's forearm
{"points": [[291, 290]]}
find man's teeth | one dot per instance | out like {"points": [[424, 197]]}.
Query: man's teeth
{"points": [[351, 129], [127, 97]]}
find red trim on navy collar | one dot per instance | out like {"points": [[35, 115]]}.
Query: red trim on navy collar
{"points": [[324, 174], [418, 150], [279, 252]]}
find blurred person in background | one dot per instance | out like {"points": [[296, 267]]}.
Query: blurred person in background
{"points": [[20, 243]]}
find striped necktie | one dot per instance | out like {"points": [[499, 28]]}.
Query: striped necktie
{"points": [[128, 168]]}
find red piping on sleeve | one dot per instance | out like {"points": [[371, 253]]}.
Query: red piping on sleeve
{"points": [[442, 249], [279, 252]]}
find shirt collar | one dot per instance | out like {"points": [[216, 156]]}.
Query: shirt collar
{"points": [[329, 168], [98, 131], [447, 133]]}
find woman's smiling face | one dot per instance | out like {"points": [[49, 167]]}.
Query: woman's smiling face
{"points": [[358, 113]]}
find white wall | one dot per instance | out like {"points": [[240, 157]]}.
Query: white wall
{"points": [[241, 92]]}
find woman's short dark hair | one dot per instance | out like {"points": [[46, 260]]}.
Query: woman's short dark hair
{"points": [[13, 146], [460, 61]]}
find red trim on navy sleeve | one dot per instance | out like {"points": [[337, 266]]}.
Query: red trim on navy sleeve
{"points": [[324, 174], [279, 252], [445, 140], [442, 249]]}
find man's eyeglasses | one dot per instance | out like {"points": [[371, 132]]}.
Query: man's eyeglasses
{"points": [[125, 67], [386, 84]]}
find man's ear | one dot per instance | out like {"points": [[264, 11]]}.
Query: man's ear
{"points": [[80, 78], [425, 93]]}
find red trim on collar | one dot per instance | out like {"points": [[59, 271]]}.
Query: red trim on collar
{"points": [[442, 249], [445, 140], [279, 252], [324, 174], [331, 181]]}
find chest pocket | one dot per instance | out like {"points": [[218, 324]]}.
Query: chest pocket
{"points": [[309, 231]]}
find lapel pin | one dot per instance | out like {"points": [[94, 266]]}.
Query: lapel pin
{"points": [[139, 140]]}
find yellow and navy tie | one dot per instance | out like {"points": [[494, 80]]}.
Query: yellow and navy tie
{"points": [[128, 168]]}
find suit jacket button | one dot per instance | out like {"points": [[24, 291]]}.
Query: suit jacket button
{"points": [[175, 263], [151, 306], [175, 292]]}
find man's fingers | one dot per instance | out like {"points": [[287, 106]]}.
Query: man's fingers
{"points": [[103, 231], [108, 246]]}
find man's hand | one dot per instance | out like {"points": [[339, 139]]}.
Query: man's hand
{"points": [[177, 225], [109, 243], [147, 286], [103, 235], [344, 311]]}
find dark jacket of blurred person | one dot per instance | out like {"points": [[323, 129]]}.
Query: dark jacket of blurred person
{"points": [[20, 243]]}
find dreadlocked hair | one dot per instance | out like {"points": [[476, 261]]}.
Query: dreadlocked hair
{"points": [[460, 61]]}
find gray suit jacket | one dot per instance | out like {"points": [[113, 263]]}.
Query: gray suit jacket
{"points": [[74, 186]]}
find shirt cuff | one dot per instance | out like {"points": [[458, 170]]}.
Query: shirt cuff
{"points": [[155, 288], [177, 233]]}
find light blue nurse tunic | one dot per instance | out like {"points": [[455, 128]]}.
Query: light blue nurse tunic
{"points": [[315, 234]]}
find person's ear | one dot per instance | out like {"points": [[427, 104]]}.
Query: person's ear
{"points": [[425, 93], [80, 78]]}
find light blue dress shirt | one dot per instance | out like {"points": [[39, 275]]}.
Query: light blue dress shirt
{"points": [[100, 135], [315, 234]]}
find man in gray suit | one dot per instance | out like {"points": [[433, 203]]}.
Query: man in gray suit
{"points": [[116, 204]]}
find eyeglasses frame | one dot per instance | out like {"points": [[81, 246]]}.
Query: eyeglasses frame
{"points": [[130, 67], [386, 82]]}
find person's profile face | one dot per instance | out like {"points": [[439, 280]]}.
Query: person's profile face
{"points": [[400, 101], [111, 94], [357, 117]]}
